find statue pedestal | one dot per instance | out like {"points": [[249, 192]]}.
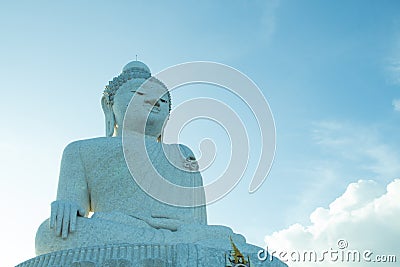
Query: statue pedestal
{"points": [[140, 255]]}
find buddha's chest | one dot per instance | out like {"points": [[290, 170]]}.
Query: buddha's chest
{"points": [[111, 184]]}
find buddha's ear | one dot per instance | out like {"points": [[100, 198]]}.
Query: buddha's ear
{"points": [[109, 116]]}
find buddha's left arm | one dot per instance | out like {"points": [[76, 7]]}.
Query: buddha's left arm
{"points": [[196, 180]]}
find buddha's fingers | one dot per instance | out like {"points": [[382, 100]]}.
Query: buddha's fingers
{"points": [[162, 223], [53, 215], [72, 219], [164, 216], [59, 219], [66, 220], [81, 212]]}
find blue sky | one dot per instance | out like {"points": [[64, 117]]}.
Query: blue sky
{"points": [[329, 70]]}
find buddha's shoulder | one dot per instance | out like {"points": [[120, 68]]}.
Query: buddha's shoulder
{"points": [[178, 149], [99, 143], [185, 151], [181, 156]]}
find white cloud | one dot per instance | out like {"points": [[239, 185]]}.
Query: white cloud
{"points": [[394, 71], [365, 215], [268, 19], [396, 104], [361, 147], [393, 62]]}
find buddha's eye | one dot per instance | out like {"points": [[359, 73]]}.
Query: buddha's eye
{"points": [[137, 92]]}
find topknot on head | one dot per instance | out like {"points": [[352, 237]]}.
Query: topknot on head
{"points": [[132, 70], [138, 66]]}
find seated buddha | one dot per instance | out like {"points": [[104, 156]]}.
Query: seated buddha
{"points": [[95, 179]]}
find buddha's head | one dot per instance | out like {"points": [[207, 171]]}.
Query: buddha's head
{"points": [[150, 107]]}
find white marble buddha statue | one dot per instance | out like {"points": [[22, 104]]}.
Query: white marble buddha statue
{"points": [[94, 177]]}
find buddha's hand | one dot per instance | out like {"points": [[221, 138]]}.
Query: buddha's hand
{"points": [[163, 222], [63, 217]]}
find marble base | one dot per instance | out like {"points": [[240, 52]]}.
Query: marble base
{"points": [[137, 255]]}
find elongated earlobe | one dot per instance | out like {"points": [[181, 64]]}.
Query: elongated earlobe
{"points": [[109, 116]]}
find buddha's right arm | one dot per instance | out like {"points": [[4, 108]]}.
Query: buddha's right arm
{"points": [[72, 193]]}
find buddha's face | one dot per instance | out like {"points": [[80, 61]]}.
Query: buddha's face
{"points": [[149, 108]]}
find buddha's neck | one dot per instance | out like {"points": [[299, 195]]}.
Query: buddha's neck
{"points": [[119, 131]]}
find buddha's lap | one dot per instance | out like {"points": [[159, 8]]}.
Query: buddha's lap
{"points": [[100, 231]]}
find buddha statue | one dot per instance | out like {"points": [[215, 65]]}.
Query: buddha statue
{"points": [[94, 178]]}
